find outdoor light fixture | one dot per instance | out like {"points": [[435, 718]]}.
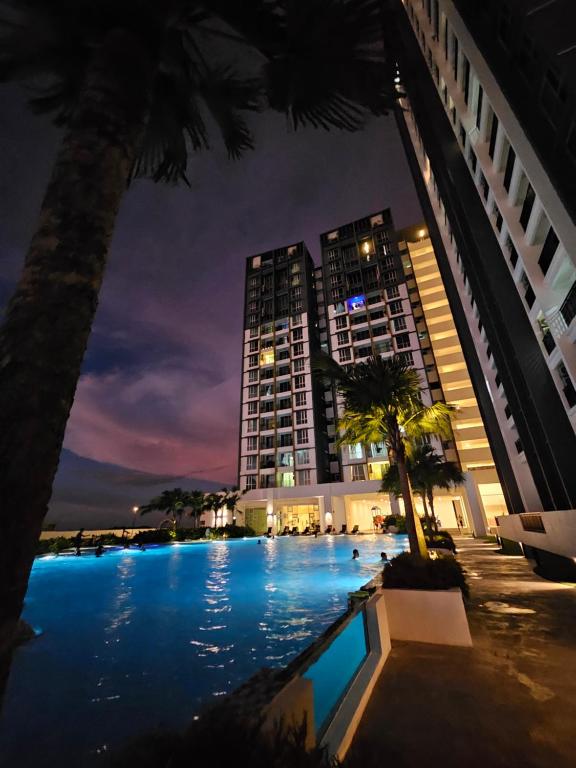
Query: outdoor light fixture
{"points": [[366, 247], [421, 233]]}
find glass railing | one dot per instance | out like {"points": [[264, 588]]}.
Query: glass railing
{"points": [[334, 671]]}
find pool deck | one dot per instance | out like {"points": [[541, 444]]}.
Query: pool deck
{"points": [[508, 701]]}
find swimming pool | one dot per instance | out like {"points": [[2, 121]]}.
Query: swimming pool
{"points": [[135, 640]]}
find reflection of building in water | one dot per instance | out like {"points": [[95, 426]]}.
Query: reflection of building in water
{"points": [[369, 297]]}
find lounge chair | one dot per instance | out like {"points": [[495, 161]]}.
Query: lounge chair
{"points": [[306, 531], [354, 531], [344, 528], [286, 531], [329, 529], [295, 531]]}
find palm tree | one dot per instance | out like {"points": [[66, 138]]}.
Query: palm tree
{"points": [[426, 470], [213, 502], [230, 499], [383, 402], [196, 504], [137, 86], [172, 503]]}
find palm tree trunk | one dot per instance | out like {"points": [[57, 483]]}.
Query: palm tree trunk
{"points": [[48, 321], [426, 513], [413, 525], [431, 502]]}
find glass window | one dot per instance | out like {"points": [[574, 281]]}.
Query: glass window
{"points": [[301, 436], [302, 457], [344, 354], [250, 482], [300, 399], [251, 443], [355, 451], [302, 417]]}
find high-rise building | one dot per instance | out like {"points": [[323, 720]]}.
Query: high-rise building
{"points": [[282, 435], [377, 292], [489, 126]]}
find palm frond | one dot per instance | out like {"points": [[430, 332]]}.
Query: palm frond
{"points": [[226, 96]]}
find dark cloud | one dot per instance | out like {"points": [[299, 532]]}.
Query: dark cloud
{"points": [[161, 381]]}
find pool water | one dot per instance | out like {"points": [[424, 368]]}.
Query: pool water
{"points": [[140, 639]]}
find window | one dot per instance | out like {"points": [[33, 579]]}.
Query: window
{"points": [[297, 320], [299, 382], [379, 330], [343, 338], [251, 462], [301, 436], [253, 346], [266, 357], [548, 250], [356, 302], [285, 440], [297, 334], [302, 417], [399, 323], [407, 358], [252, 425], [402, 341], [252, 361], [300, 399], [567, 385], [285, 459], [298, 349], [303, 477], [484, 186], [302, 457], [479, 106], [253, 390], [355, 451], [510, 160], [513, 253], [253, 407], [529, 199], [253, 375], [499, 221], [358, 472], [455, 56], [528, 290], [344, 354], [341, 322], [466, 79], [250, 482], [493, 136], [298, 366], [251, 443]]}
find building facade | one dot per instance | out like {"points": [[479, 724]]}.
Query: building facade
{"points": [[486, 102], [377, 292]]}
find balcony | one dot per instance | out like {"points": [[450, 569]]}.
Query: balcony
{"points": [[568, 308], [549, 342]]}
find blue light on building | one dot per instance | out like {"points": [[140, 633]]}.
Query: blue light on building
{"points": [[356, 302]]}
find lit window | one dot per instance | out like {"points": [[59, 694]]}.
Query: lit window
{"points": [[302, 457], [356, 302], [267, 357], [250, 483], [358, 472]]}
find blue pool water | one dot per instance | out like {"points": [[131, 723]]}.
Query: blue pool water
{"points": [[136, 640]]}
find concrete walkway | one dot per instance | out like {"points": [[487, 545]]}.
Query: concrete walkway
{"points": [[510, 701]]}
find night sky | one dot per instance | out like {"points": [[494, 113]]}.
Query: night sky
{"points": [[160, 388]]}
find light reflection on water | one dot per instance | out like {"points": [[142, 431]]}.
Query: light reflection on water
{"points": [[176, 625]]}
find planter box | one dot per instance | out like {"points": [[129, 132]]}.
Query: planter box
{"points": [[427, 616]]}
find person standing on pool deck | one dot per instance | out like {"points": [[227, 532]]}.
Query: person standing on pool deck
{"points": [[78, 541]]}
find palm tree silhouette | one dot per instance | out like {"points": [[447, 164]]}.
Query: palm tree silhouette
{"points": [[137, 87]]}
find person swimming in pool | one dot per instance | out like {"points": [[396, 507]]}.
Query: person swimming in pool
{"points": [[355, 554]]}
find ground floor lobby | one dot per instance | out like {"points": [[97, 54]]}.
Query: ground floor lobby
{"points": [[330, 506]]}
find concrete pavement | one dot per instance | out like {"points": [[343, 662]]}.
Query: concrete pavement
{"points": [[510, 701]]}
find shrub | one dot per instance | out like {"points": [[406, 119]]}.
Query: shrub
{"points": [[53, 546], [397, 520], [441, 540], [153, 536], [233, 531], [408, 571]]}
